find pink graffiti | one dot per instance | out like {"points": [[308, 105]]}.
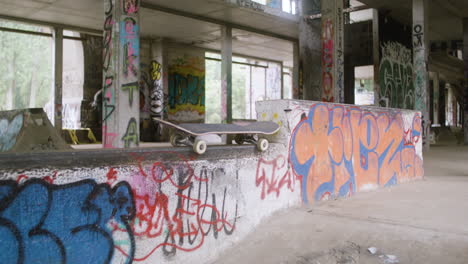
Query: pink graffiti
{"points": [[274, 176], [327, 61]]}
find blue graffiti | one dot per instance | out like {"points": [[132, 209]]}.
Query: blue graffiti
{"points": [[9, 132], [46, 223], [186, 90]]}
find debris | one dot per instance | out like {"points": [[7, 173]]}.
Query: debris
{"points": [[372, 250], [389, 259]]}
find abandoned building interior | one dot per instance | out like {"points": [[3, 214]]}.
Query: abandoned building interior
{"points": [[361, 91]]}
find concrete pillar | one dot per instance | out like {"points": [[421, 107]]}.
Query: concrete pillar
{"points": [[157, 89], [465, 93], [121, 66], [332, 51], [420, 60], [376, 55], [436, 97], [296, 87], [226, 74], [310, 56], [58, 77]]}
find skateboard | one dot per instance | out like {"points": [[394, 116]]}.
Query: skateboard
{"points": [[186, 133]]}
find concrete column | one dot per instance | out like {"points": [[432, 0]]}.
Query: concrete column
{"points": [[157, 90], [332, 51], [376, 55], [121, 66], [465, 93], [420, 60], [436, 97], [226, 74], [296, 89], [310, 68], [58, 77]]}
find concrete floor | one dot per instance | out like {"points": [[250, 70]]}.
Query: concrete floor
{"points": [[418, 222]]}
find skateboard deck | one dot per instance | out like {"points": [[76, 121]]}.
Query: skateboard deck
{"points": [[266, 128], [187, 133]]}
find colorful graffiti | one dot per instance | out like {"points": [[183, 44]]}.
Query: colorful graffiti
{"points": [[157, 92], [121, 72], [42, 222], [396, 77], [130, 6], [338, 150], [328, 34], [187, 89], [274, 176], [9, 130], [177, 208]]}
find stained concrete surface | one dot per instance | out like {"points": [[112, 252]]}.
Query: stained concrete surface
{"points": [[417, 222]]}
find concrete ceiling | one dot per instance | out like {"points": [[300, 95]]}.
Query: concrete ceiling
{"points": [[90, 14], [445, 16]]}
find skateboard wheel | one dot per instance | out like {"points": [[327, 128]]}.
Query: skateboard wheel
{"points": [[199, 146], [262, 144], [175, 139]]}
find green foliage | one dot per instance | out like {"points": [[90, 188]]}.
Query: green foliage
{"points": [[21, 56]]}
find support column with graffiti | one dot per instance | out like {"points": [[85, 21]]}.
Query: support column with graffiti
{"points": [[465, 91], [121, 70], [332, 51], [157, 90], [309, 73], [420, 60]]}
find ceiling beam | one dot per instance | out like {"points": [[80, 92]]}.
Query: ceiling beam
{"points": [[53, 25], [215, 21]]}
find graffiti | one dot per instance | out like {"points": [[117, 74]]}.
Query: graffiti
{"points": [[130, 87], [396, 77], [186, 90], [327, 61], [9, 131], [130, 6], [129, 31], [273, 176], [199, 210], [108, 101], [251, 5], [41, 222], [108, 26], [339, 94], [131, 135], [418, 36], [420, 81], [338, 150], [157, 93]]}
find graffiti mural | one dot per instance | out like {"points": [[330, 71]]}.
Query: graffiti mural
{"points": [[275, 176], [179, 207], [42, 222], [9, 130], [328, 35], [358, 150], [396, 77], [157, 92], [187, 89]]}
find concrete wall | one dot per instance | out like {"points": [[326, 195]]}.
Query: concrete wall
{"points": [[172, 206], [396, 87], [338, 150], [186, 86]]}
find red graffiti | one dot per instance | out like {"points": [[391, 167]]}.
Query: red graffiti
{"points": [[183, 222], [111, 176], [327, 61], [274, 175], [50, 179]]}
